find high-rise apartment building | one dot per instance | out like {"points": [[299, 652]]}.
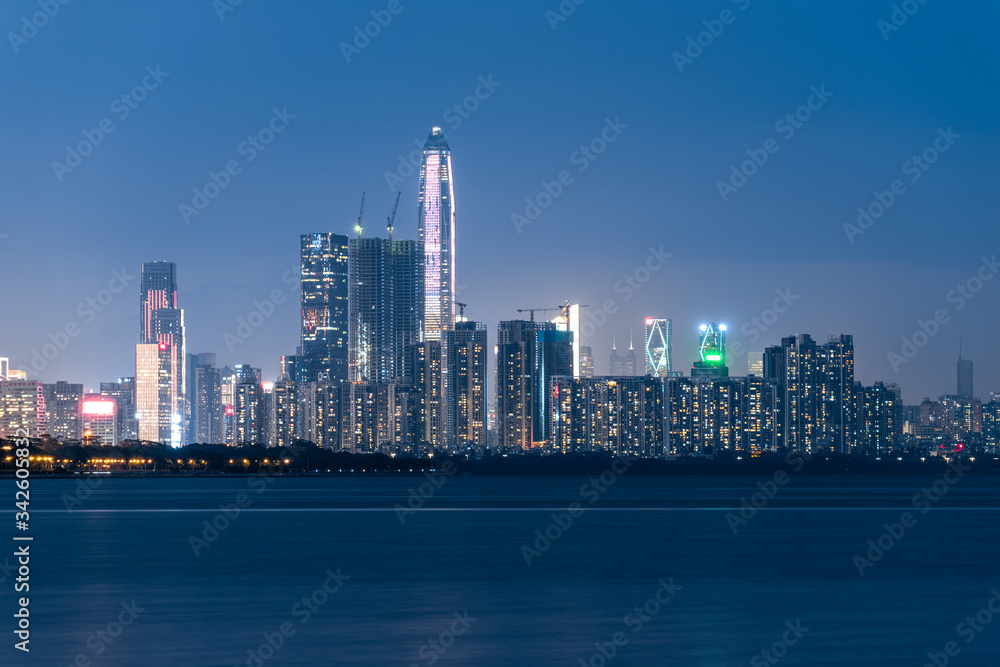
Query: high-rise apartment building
{"points": [[465, 400], [324, 330], [529, 356], [816, 384], [436, 225], [425, 365]]}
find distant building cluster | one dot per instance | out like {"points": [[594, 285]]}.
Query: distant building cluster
{"points": [[387, 362]]}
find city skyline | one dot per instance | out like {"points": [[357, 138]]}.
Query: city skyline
{"points": [[654, 186]]}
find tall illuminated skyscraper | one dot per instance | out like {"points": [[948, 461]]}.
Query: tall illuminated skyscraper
{"points": [[658, 352], [162, 323], [324, 307], [436, 224], [711, 352], [153, 393]]}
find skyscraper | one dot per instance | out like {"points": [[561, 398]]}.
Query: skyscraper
{"points": [[465, 400], [711, 352], [98, 420], [622, 365], [62, 407], [22, 409], [385, 300], [154, 393], [436, 225], [569, 320], [658, 342], [4, 368], [424, 366], [963, 376], [815, 392], [162, 322], [529, 356], [123, 393], [324, 334]]}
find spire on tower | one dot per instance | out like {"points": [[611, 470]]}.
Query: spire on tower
{"points": [[614, 345]]}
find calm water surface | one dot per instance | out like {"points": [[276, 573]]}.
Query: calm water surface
{"points": [[792, 562]]}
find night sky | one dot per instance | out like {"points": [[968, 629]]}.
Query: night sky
{"points": [[886, 95]]}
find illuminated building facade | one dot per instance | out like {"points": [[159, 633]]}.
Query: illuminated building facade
{"points": [[285, 419], [4, 368], [22, 409], [658, 347], [162, 322], [529, 356], [816, 392], [62, 407], [385, 298], [249, 419], [711, 352], [424, 366], [154, 400], [569, 320], [586, 361], [623, 415], [324, 315], [436, 225], [963, 378], [98, 420], [465, 398]]}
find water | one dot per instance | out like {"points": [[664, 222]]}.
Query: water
{"points": [[790, 563]]}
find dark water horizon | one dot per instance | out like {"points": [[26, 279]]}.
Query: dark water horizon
{"points": [[405, 570]]}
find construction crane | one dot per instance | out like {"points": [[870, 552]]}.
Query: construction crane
{"points": [[392, 216], [563, 310], [461, 306], [360, 226], [539, 310]]}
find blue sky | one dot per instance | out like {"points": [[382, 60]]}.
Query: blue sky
{"points": [[551, 91]]}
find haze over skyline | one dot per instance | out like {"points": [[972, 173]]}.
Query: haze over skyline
{"points": [[653, 191]]}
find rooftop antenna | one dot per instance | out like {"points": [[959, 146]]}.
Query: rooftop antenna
{"points": [[614, 340], [630, 338]]}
